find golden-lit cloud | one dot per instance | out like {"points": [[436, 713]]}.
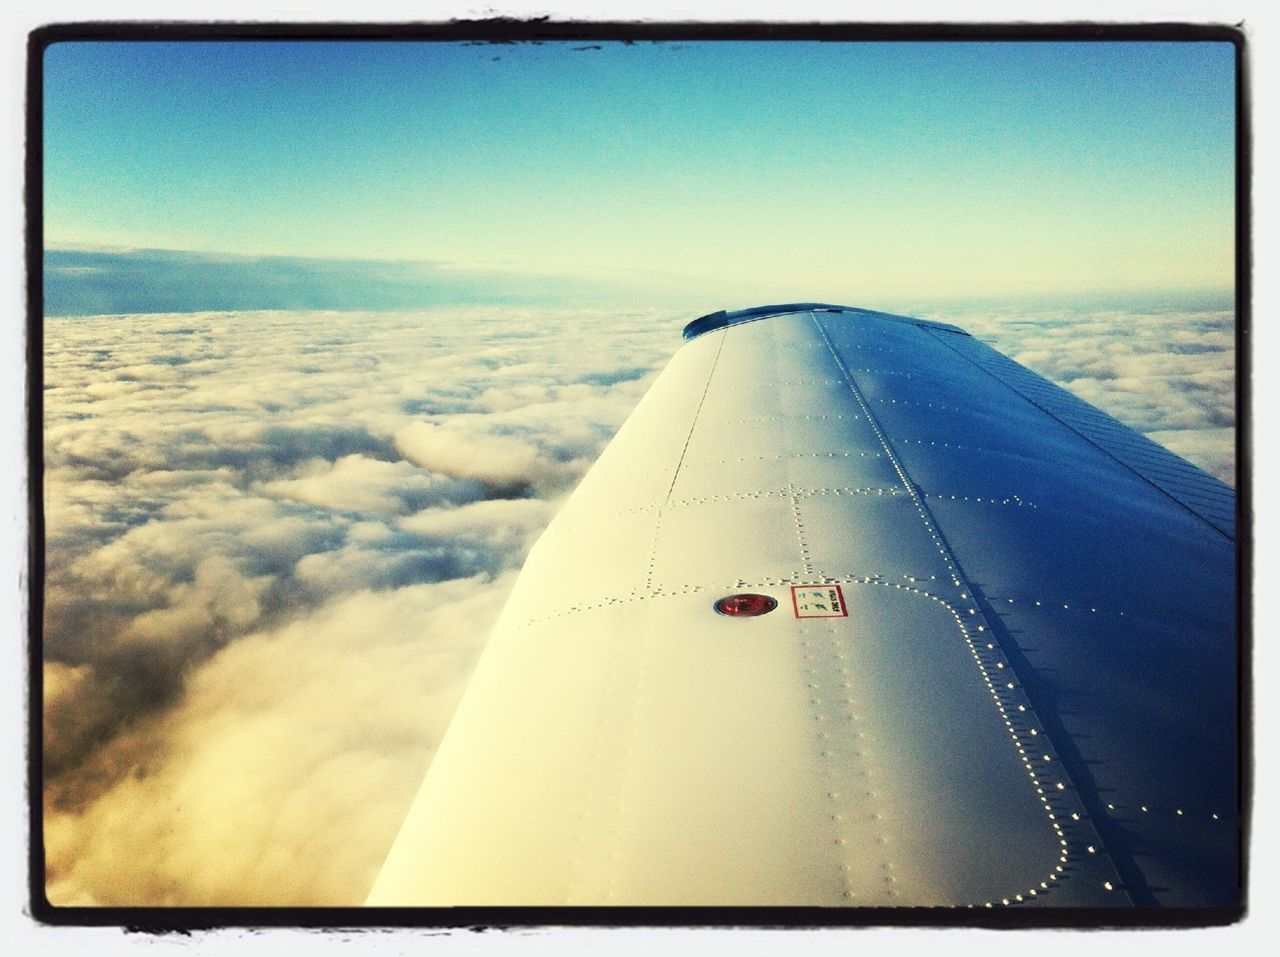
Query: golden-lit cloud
{"points": [[225, 493], [282, 774]]}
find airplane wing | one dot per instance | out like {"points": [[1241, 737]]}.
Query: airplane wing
{"points": [[853, 611]]}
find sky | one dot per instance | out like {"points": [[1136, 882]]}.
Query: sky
{"points": [[793, 170], [331, 332]]}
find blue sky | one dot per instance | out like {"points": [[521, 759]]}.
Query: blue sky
{"points": [[812, 170]]}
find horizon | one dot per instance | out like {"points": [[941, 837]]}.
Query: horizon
{"points": [[103, 280]]}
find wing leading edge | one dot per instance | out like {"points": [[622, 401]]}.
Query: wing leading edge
{"points": [[1000, 671]]}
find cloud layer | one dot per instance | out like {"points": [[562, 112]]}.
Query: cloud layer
{"points": [[277, 540]]}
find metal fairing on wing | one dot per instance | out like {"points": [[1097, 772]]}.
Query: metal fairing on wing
{"points": [[1012, 682]]}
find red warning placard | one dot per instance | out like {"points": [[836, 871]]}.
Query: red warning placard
{"points": [[818, 601]]}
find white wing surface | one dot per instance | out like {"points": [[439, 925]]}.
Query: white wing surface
{"points": [[1000, 670]]}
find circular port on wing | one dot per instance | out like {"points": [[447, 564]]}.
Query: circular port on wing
{"points": [[745, 606]]}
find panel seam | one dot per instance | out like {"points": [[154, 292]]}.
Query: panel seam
{"points": [[997, 685], [1067, 425], [657, 521]]}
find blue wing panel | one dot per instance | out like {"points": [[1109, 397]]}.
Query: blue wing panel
{"points": [[1104, 566], [1201, 493]]}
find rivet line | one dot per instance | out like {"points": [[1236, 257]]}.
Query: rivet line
{"points": [[1003, 693]]}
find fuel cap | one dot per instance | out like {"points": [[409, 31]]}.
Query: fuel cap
{"points": [[746, 605]]}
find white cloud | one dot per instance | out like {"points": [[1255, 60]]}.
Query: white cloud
{"points": [[506, 525], [217, 601], [355, 483], [457, 451]]}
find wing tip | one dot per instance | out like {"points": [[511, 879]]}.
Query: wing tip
{"points": [[725, 318]]}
